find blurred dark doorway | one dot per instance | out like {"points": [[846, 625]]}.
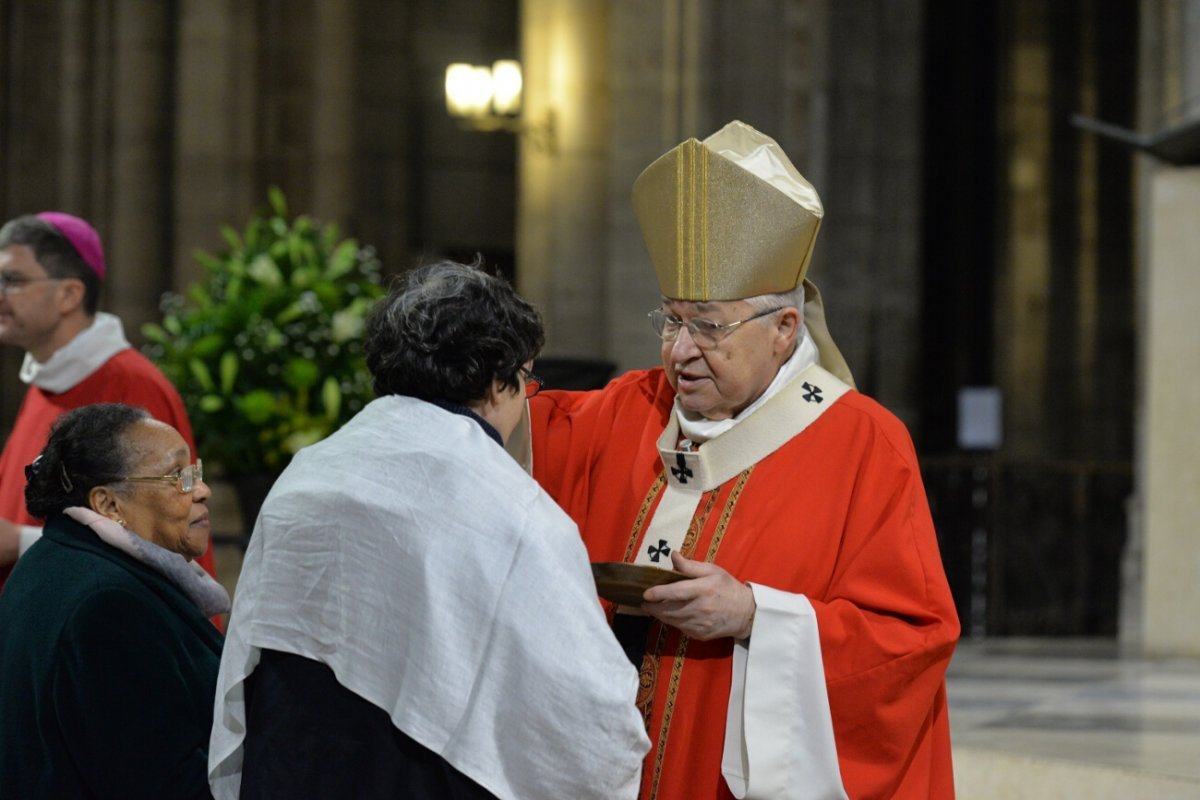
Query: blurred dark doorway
{"points": [[1027, 247]]}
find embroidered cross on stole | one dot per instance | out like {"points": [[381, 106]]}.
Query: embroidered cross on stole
{"points": [[689, 474]]}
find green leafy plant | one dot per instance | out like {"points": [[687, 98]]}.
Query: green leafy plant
{"points": [[267, 350]]}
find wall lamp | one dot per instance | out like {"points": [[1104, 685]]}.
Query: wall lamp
{"points": [[488, 99]]}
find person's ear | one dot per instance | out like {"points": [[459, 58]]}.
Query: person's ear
{"points": [[787, 327], [104, 501], [490, 401], [70, 295], [499, 392]]}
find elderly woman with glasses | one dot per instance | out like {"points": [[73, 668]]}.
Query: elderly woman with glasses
{"points": [[415, 616], [108, 660]]}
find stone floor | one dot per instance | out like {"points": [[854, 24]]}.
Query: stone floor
{"points": [[1066, 719]]}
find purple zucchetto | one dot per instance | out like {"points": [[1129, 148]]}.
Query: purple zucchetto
{"points": [[81, 235]]}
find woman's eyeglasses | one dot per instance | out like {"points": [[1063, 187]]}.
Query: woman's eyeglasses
{"points": [[533, 384], [185, 480]]}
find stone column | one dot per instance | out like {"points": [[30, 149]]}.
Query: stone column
{"points": [[652, 65], [1022, 312], [385, 129], [216, 126], [1160, 557], [142, 116], [868, 164], [562, 241], [333, 112], [1169, 471]]}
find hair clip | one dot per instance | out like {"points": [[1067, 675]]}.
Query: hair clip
{"points": [[31, 469], [64, 479]]}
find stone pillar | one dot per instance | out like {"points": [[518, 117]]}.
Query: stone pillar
{"points": [[562, 240], [384, 131], [215, 129], [1190, 52], [1022, 312], [1157, 553], [650, 114], [140, 234], [869, 163], [1169, 471], [333, 110]]}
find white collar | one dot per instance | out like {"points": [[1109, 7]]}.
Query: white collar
{"points": [[70, 364], [699, 430]]}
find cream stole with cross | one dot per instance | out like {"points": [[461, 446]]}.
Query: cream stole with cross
{"points": [[692, 473]]}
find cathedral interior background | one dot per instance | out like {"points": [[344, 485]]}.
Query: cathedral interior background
{"points": [[974, 238]]}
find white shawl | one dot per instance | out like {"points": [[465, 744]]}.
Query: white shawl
{"points": [[411, 554]]}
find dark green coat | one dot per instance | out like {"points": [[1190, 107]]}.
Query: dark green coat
{"points": [[107, 675]]}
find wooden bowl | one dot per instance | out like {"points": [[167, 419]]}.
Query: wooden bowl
{"points": [[624, 583]]}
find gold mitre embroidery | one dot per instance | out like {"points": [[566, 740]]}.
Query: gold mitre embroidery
{"points": [[727, 218]]}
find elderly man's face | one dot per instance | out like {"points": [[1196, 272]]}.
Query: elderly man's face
{"points": [[719, 381]]}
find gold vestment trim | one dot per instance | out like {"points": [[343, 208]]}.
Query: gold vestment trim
{"points": [[636, 533], [664, 727]]}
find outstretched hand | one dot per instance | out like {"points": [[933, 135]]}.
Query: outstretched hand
{"points": [[711, 605]]}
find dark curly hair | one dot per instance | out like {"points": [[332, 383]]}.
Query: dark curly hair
{"points": [[86, 449], [446, 331], [55, 253]]}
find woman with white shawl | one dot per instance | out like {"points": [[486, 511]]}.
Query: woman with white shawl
{"points": [[415, 616]]}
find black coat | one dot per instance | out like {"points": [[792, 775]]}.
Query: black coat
{"points": [[107, 675]]}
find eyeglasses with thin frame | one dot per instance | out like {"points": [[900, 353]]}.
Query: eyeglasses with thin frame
{"points": [[11, 283], [185, 481], [704, 332], [533, 384]]}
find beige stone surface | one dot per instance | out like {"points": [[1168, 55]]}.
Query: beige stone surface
{"points": [[981, 774], [1169, 475], [561, 221], [1043, 719]]}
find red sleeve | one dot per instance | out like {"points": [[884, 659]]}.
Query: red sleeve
{"points": [[570, 431], [888, 628], [141, 384], [562, 425]]}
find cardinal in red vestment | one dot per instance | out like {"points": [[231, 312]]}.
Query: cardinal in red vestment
{"points": [[804, 654]]}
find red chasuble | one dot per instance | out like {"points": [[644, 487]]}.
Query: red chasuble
{"points": [[838, 514], [128, 377]]}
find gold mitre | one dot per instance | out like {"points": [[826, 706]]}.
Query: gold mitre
{"points": [[727, 218]]}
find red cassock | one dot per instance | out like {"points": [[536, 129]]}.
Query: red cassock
{"points": [[128, 377], [835, 513]]}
